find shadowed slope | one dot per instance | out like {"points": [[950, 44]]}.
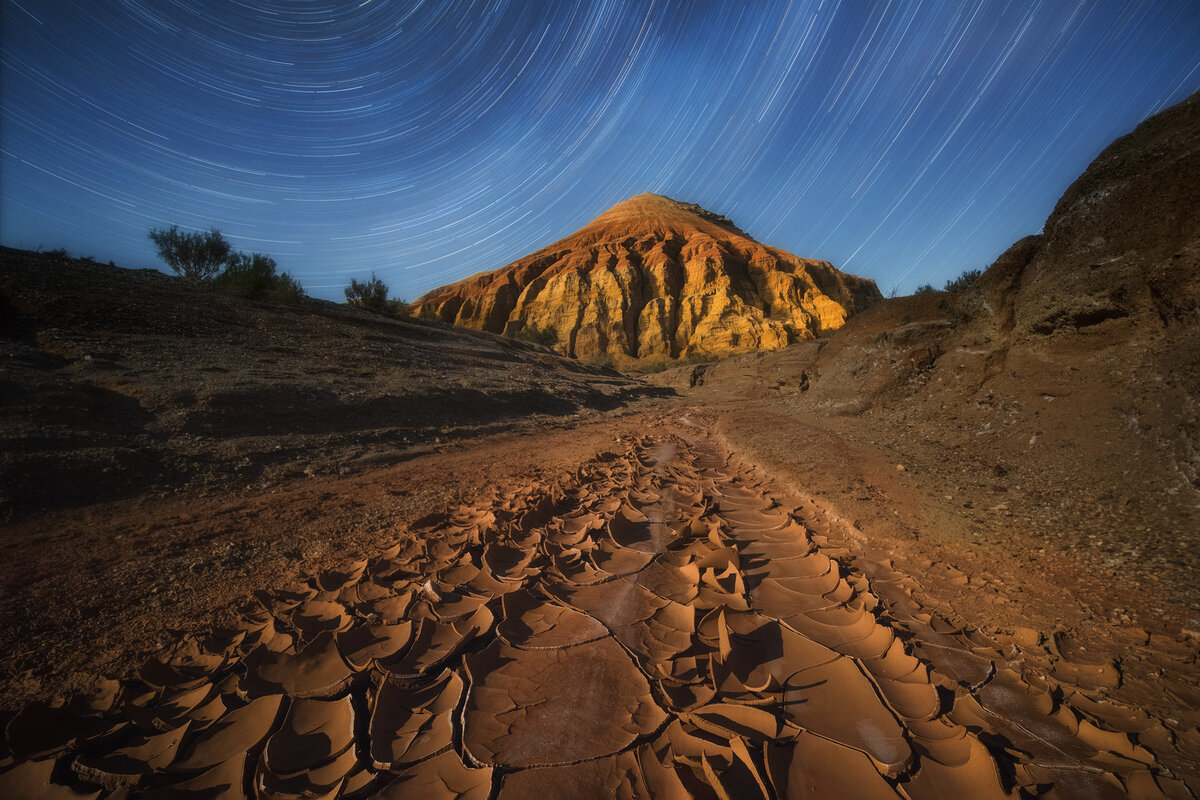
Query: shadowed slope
{"points": [[119, 381]]}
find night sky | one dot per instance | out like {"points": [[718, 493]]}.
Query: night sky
{"points": [[903, 141]]}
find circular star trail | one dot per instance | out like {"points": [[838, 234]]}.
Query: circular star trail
{"points": [[424, 141]]}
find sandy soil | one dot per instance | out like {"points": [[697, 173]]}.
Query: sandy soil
{"points": [[640, 604], [948, 552], [93, 591]]}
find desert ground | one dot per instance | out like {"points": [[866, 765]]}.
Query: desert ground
{"points": [[948, 551], [661, 591]]}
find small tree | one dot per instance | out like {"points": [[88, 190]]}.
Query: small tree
{"points": [[371, 295], [194, 256]]}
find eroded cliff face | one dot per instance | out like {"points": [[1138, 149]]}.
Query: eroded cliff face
{"points": [[653, 279]]}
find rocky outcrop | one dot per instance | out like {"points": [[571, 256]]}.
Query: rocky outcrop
{"points": [[1072, 363], [653, 279]]}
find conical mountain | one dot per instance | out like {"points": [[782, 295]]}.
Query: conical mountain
{"points": [[653, 279]]}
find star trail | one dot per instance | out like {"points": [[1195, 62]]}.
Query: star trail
{"points": [[425, 141]]}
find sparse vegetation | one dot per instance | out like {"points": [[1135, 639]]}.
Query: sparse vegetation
{"points": [[963, 282], [197, 256], [208, 258], [954, 285], [600, 360], [256, 276], [372, 295], [248, 275], [287, 290]]}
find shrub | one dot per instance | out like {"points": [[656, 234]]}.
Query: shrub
{"points": [[963, 282], [371, 294], [194, 256], [256, 276], [603, 360], [208, 258], [248, 275], [925, 288], [287, 290]]}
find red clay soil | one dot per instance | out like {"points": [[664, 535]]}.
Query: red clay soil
{"points": [[632, 608], [948, 552]]}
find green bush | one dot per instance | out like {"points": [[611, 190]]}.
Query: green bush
{"points": [[287, 290], [370, 294], [208, 258], [963, 282], [256, 276], [248, 275], [195, 256], [925, 288]]}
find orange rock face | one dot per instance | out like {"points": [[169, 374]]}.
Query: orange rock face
{"points": [[653, 279]]}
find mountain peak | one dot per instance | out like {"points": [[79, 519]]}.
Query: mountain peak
{"points": [[653, 279], [647, 212]]}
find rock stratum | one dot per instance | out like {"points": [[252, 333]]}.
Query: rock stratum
{"points": [[653, 279]]}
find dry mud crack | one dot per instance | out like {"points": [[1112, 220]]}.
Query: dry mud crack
{"points": [[659, 623]]}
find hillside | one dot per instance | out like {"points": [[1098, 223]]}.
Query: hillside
{"points": [[652, 280], [165, 448], [121, 381], [1059, 393]]}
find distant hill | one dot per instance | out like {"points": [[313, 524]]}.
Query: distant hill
{"points": [[653, 279]]}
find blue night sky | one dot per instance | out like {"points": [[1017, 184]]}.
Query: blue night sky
{"points": [[903, 141]]}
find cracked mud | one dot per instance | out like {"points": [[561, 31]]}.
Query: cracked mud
{"points": [[659, 623]]}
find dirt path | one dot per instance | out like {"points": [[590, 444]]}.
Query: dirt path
{"points": [[660, 621]]}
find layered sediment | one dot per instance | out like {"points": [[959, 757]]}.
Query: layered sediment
{"points": [[654, 279]]}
